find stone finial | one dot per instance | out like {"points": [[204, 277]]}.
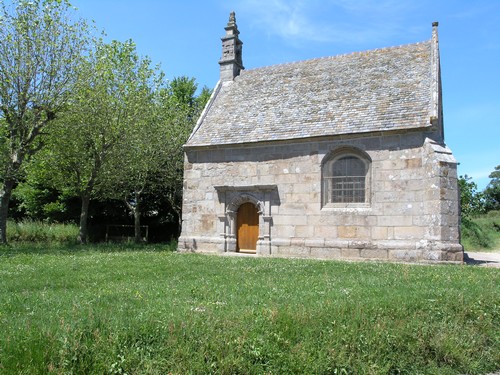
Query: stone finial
{"points": [[231, 62], [231, 27], [232, 20], [435, 25]]}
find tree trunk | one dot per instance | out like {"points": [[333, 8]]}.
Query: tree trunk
{"points": [[5, 194], [137, 217], [84, 215]]}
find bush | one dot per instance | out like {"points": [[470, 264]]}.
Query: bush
{"points": [[471, 200], [37, 231], [474, 235], [481, 232], [492, 191]]}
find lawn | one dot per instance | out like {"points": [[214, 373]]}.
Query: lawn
{"points": [[111, 310]]}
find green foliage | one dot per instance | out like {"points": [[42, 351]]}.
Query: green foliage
{"points": [[150, 312], [203, 98], [474, 236], [180, 112], [116, 128], [471, 200], [83, 139], [182, 91], [481, 232], [41, 50], [149, 163], [91, 134], [492, 191], [37, 231], [42, 203]]}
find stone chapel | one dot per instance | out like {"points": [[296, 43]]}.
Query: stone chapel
{"points": [[337, 157]]}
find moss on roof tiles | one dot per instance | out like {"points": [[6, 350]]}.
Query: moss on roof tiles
{"points": [[378, 90]]}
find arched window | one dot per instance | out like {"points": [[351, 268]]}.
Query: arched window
{"points": [[345, 179]]}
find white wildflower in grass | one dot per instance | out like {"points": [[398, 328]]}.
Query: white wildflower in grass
{"points": [[120, 311], [199, 309]]}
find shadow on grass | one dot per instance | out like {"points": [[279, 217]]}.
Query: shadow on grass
{"points": [[470, 261], [15, 248]]}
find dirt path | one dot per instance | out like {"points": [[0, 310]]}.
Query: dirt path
{"points": [[489, 259]]}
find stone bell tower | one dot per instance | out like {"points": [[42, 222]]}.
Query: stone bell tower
{"points": [[231, 62]]}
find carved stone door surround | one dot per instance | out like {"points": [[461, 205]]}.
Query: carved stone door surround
{"points": [[230, 199]]}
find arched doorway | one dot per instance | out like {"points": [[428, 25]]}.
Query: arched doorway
{"points": [[247, 228]]}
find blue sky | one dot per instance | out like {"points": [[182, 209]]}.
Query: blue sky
{"points": [[184, 37]]}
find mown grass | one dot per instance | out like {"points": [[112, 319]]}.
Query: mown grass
{"points": [[155, 312], [481, 233]]}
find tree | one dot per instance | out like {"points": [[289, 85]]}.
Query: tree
{"points": [[492, 191], [134, 166], [151, 163], [83, 142], [41, 49], [181, 109], [134, 162], [471, 200]]}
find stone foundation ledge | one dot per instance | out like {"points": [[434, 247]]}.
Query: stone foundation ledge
{"points": [[199, 244], [391, 250], [396, 250]]}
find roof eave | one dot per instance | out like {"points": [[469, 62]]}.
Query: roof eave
{"points": [[429, 126]]}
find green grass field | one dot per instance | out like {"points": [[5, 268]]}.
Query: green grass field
{"points": [[110, 310]]}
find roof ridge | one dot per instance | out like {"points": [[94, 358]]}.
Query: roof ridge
{"points": [[336, 56], [377, 90]]}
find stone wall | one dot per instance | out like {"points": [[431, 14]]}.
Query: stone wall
{"points": [[412, 212]]}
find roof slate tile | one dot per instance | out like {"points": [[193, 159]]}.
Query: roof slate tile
{"points": [[378, 90]]}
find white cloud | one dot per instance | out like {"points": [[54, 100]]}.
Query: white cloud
{"points": [[299, 21]]}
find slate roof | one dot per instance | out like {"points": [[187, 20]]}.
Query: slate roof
{"points": [[377, 90]]}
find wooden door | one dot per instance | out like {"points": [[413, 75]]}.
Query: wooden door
{"points": [[248, 228]]}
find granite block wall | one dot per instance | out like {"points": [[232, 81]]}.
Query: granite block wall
{"points": [[411, 212]]}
